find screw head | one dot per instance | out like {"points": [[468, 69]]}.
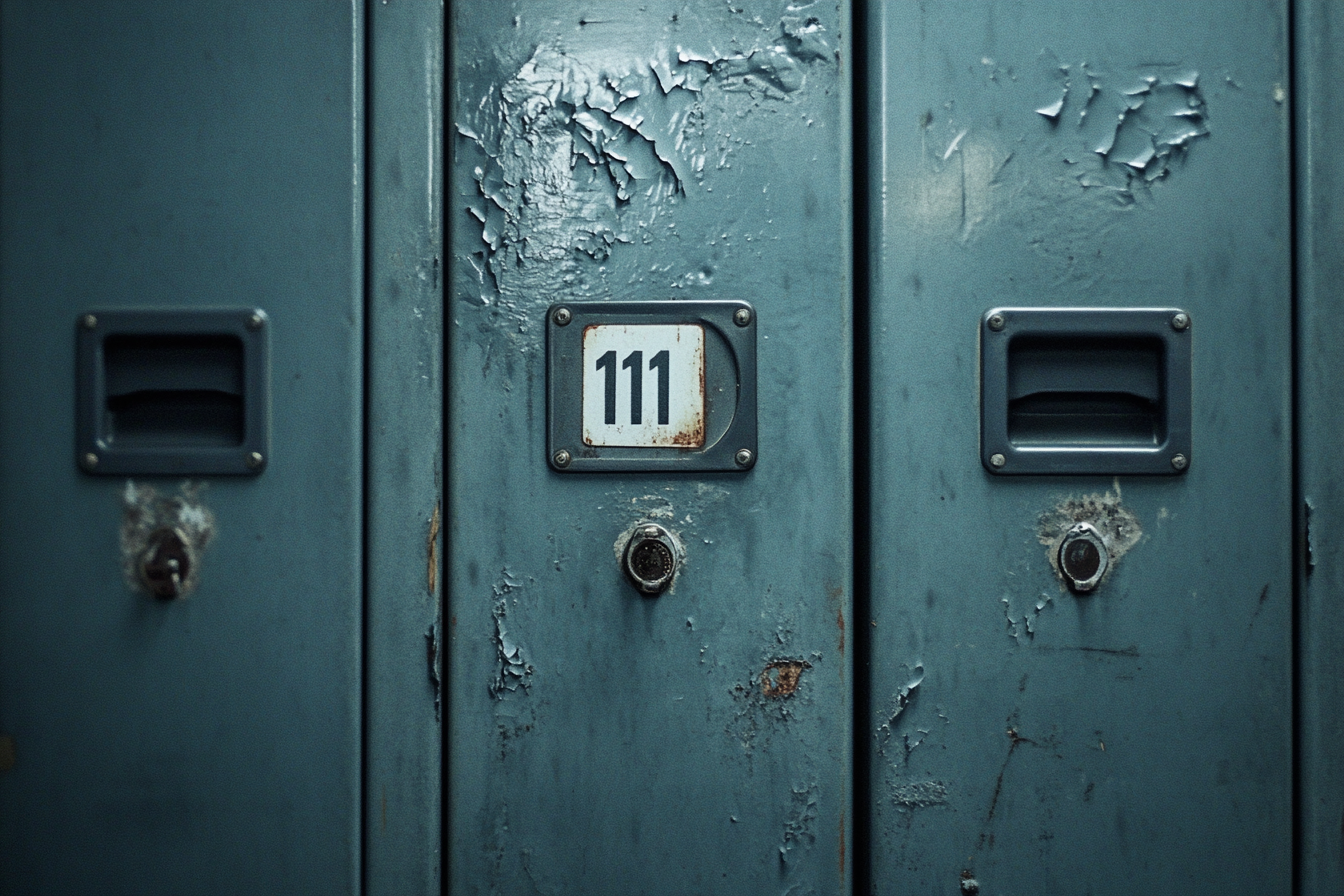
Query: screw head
{"points": [[997, 460], [1179, 461], [562, 316], [255, 320], [1180, 321], [996, 322], [562, 458], [742, 317], [254, 460], [89, 321], [90, 461], [744, 457]]}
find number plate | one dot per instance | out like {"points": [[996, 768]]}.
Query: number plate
{"points": [[656, 399], [637, 386]]}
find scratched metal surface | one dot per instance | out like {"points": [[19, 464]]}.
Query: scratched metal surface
{"points": [[601, 742], [1319, 121], [1137, 740], [170, 155]]}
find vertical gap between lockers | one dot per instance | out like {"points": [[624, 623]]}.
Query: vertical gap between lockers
{"points": [[1298, 512], [363, 28], [860, 108]]}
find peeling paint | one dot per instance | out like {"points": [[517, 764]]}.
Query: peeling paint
{"points": [[900, 701], [1119, 527], [513, 671], [144, 512], [1128, 128], [583, 149], [798, 831]]}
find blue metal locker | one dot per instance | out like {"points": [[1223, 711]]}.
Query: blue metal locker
{"points": [[601, 740], [1024, 734]]}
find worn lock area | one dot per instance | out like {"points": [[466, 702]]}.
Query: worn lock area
{"points": [[1086, 536], [162, 539]]}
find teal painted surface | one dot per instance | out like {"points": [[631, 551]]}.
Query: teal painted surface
{"points": [[1318, 107], [403, 791], [167, 155], [1137, 740], [599, 741]]}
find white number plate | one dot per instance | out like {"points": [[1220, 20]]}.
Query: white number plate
{"points": [[644, 385]]}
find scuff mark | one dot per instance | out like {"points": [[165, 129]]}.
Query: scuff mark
{"points": [[919, 794], [1132, 128], [513, 671], [1119, 527], [1015, 740], [144, 513], [781, 678], [798, 829]]}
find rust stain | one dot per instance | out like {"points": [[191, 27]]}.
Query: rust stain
{"points": [[8, 754], [432, 576], [780, 678], [840, 624]]}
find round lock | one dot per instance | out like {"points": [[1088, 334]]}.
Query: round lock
{"points": [[1083, 557], [166, 563], [651, 558]]}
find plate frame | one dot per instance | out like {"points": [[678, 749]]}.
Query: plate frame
{"points": [[564, 398]]}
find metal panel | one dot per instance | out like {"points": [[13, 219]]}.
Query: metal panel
{"points": [[403, 791], [1318, 106], [602, 741], [161, 155], [1023, 739]]}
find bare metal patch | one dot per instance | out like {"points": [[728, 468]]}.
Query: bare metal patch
{"points": [[781, 677], [146, 513], [1118, 525]]}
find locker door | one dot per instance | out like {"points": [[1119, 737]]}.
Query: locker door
{"points": [[603, 740], [167, 157], [1023, 737]]}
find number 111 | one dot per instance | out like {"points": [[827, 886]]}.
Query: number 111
{"points": [[634, 362]]}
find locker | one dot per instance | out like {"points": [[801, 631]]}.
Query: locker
{"points": [[670, 448], [602, 739], [1023, 736]]}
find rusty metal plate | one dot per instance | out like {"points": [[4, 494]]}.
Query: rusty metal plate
{"points": [[637, 386]]}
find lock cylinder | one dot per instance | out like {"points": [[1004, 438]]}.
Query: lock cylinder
{"points": [[650, 559]]}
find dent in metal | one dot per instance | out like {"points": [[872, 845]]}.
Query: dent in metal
{"points": [[145, 513]]}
